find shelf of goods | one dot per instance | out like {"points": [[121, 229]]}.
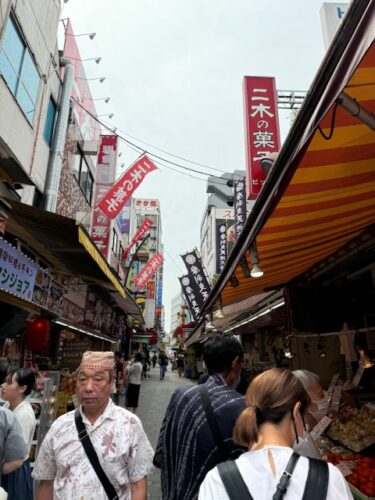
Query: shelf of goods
{"points": [[349, 444], [43, 402]]}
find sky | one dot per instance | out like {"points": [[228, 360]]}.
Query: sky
{"points": [[174, 71]]}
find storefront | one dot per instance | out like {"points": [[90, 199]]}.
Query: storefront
{"points": [[311, 231]]}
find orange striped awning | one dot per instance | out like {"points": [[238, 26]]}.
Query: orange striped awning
{"points": [[326, 194]]}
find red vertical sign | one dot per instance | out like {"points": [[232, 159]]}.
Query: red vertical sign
{"points": [[261, 128]]}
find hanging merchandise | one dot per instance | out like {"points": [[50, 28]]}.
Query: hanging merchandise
{"points": [[37, 334]]}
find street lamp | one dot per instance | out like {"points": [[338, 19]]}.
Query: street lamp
{"points": [[105, 99], [101, 80], [96, 59], [90, 35]]}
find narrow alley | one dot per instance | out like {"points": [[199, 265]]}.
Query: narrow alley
{"points": [[154, 398]]}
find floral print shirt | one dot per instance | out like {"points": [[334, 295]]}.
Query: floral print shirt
{"points": [[120, 442]]}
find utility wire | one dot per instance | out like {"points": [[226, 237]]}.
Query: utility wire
{"points": [[174, 262], [171, 154], [142, 150]]}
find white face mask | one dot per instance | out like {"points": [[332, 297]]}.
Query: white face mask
{"points": [[322, 405], [306, 446]]}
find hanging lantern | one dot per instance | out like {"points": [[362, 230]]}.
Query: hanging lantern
{"points": [[37, 334]]}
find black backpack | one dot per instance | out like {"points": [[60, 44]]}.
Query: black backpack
{"points": [[315, 488]]}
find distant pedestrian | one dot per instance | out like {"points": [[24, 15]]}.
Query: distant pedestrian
{"points": [[134, 376], [180, 365], [154, 360], [187, 448], [163, 363], [64, 465]]}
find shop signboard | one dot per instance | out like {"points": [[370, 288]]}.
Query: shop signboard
{"points": [[191, 292], [221, 245], [148, 270], [106, 165], [148, 205], [17, 272], [197, 274], [121, 192], [101, 224], [123, 218], [261, 128], [81, 89], [240, 213], [147, 223], [73, 350]]}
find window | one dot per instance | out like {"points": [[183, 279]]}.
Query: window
{"points": [[50, 122], [18, 69], [83, 175]]}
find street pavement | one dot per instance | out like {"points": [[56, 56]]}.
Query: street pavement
{"points": [[153, 401]]}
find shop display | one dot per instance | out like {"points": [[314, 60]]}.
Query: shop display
{"points": [[43, 402], [356, 431], [66, 392]]}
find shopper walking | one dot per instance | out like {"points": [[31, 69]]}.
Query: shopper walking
{"points": [[163, 363], [272, 422], [134, 372], [18, 385], [187, 446], [180, 365], [66, 467]]}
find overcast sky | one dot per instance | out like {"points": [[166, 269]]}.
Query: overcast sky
{"points": [[174, 71]]}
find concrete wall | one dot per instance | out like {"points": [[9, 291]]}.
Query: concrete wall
{"points": [[38, 20]]}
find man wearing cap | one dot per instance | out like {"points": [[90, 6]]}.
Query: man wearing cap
{"points": [[125, 455]]}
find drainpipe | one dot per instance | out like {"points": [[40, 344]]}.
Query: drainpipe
{"points": [[54, 166]]}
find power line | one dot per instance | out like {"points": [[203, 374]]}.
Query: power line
{"points": [[171, 154], [142, 150], [174, 262]]}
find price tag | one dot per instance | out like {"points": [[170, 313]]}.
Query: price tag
{"points": [[320, 427], [333, 383], [344, 469], [336, 396], [357, 377]]}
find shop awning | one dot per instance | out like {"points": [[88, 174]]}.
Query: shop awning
{"points": [[320, 193], [67, 249]]}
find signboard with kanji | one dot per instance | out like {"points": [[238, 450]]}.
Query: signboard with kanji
{"points": [[148, 270], [221, 245], [197, 274], [106, 165], [120, 193], [147, 223], [101, 224], [191, 291], [262, 135], [240, 213], [17, 272]]}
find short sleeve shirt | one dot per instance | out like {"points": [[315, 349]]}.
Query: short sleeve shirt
{"points": [[12, 444], [120, 442]]}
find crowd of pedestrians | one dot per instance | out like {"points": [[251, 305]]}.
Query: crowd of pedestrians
{"points": [[214, 442]]}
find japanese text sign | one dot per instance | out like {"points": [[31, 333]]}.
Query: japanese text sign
{"points": [[120, 193], [196, 273], [101, 224], [221, 245], [17, 272], [262, 135], [191, 291], [106, 165], [148, 270], [147, 223], [240, 213]]}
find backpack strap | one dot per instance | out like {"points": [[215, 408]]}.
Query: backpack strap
{"points": [[233, 481], [283, 484], [212, 422], [317, 480]]}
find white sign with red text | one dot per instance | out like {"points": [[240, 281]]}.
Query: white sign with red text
{"points": [[148, 270]]}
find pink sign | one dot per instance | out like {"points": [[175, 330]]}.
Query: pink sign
{"points": [[106, 165], [148, 270], [117, 196], [138, 235], [261, 128]]}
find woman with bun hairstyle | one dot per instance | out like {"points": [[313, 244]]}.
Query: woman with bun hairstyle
{"points": [[17, 386], [269, 427]]}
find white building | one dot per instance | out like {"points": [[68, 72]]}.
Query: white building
{"points": [[29, 90]]}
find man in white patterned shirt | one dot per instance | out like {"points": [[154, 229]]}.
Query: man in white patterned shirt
{"points": [[124, 452]]}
